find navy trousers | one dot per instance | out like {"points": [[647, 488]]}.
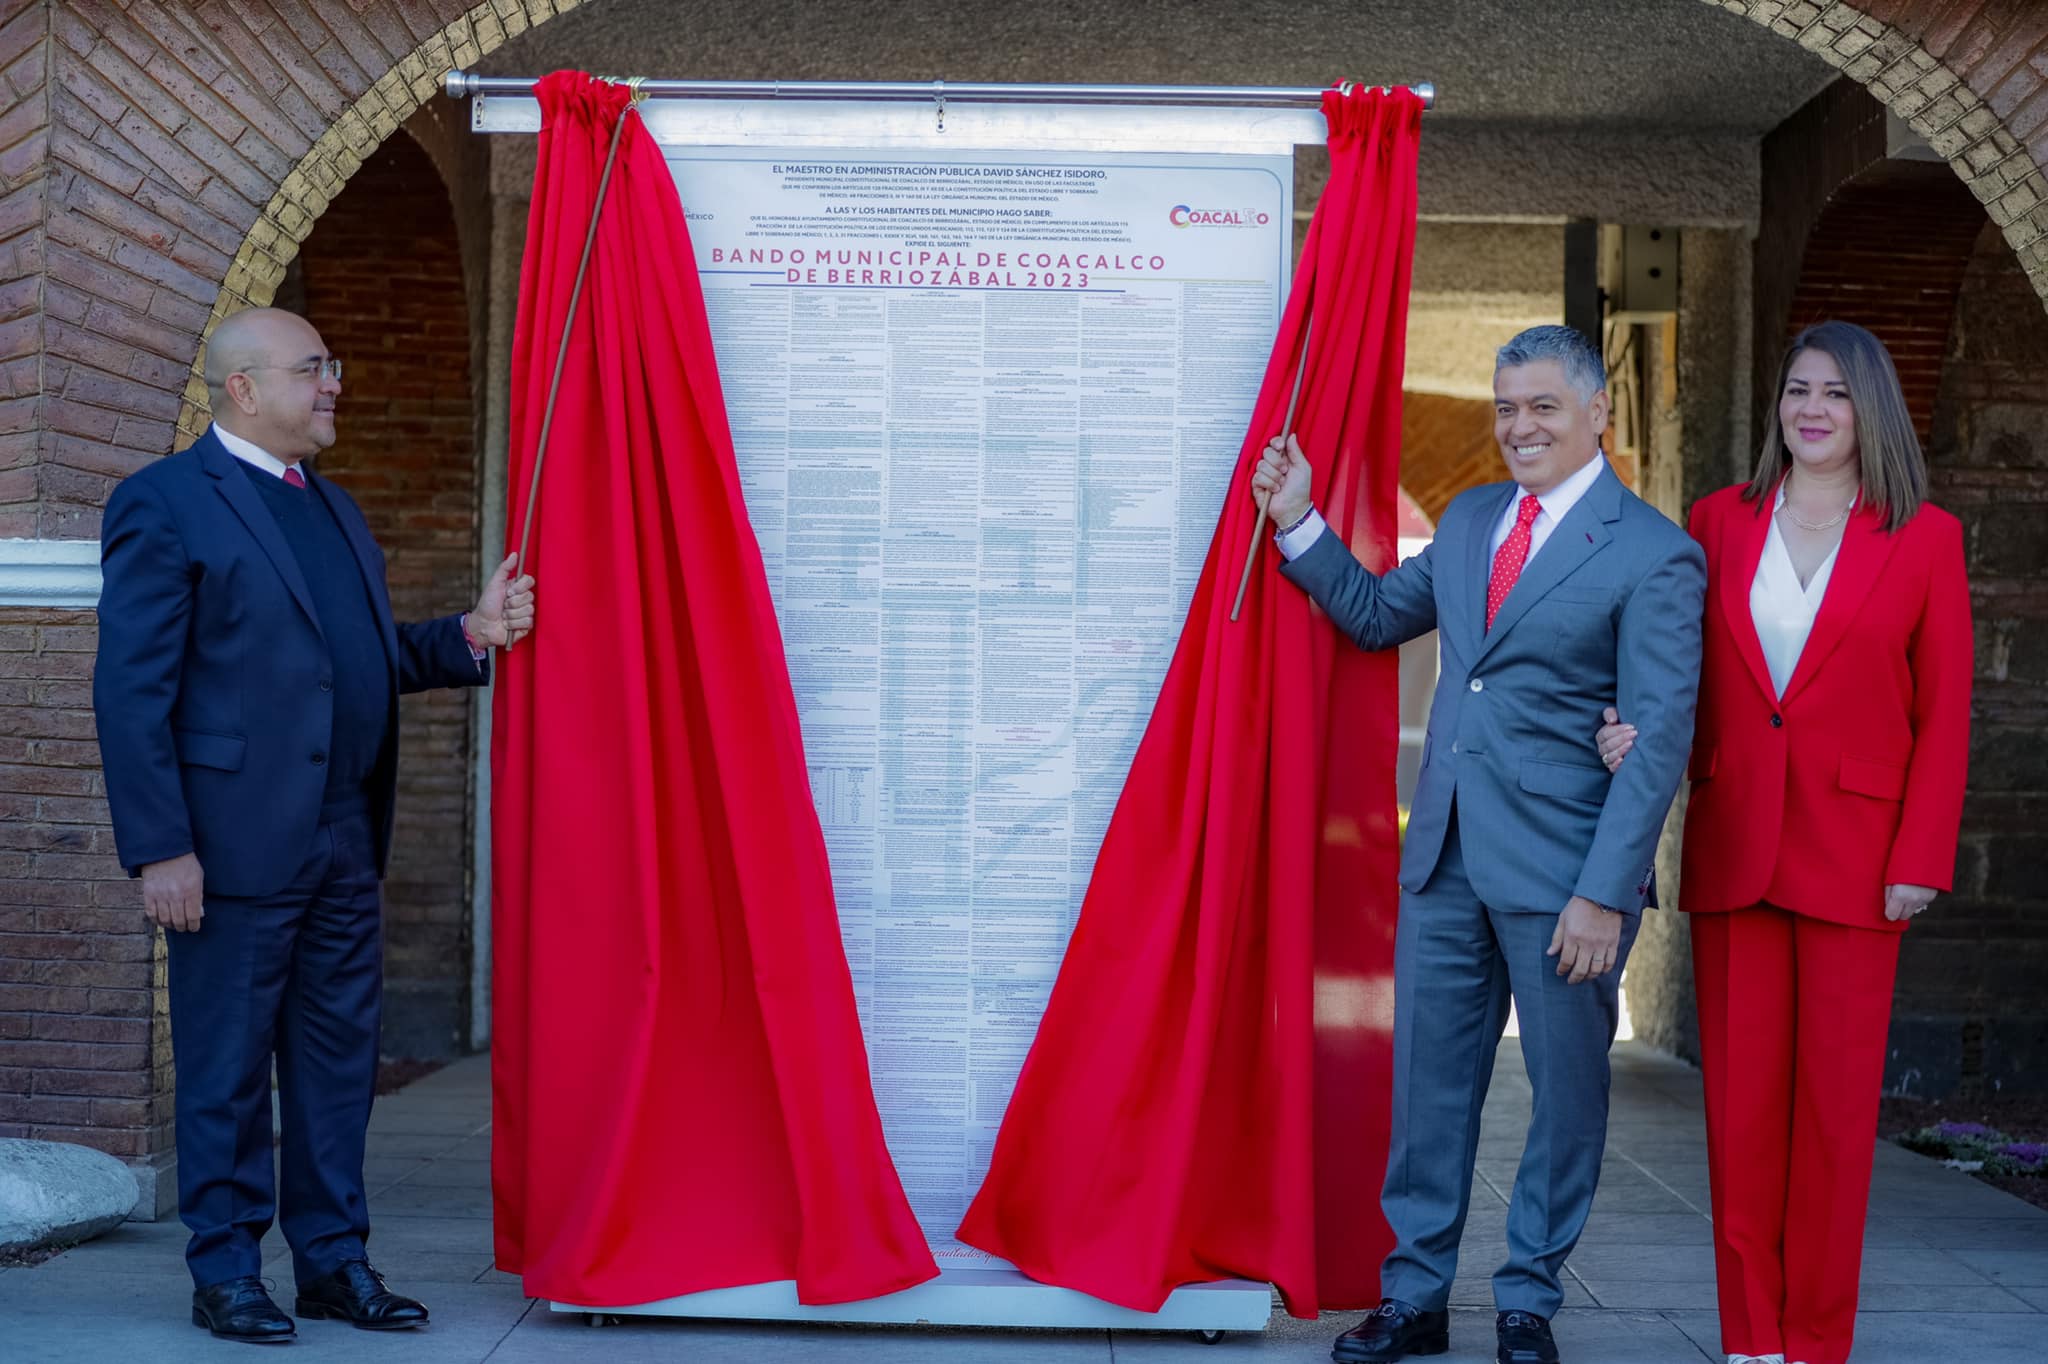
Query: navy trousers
{"points": [[1457, 962], [299, 976]]}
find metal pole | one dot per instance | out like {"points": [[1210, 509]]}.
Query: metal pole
{"points": [[463, 83]]}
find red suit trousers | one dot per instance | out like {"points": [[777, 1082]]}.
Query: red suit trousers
{"points": [[1793, 1014]]}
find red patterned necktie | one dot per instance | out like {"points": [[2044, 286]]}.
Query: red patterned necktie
{"points": [[298, 480], [1509, 558]]}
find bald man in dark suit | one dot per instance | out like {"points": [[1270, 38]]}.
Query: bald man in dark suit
{"points": [[247, 700]]}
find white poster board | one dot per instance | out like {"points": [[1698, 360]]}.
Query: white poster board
{"points": [[986, 404]]}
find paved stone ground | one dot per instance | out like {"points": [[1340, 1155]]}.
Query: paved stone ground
{"points": [[1953, 1270]]}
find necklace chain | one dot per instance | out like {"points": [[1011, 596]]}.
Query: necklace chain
{"points": [[1837, 519]]}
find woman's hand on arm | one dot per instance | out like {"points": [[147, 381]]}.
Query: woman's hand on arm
{"points": [[1614, 739]]}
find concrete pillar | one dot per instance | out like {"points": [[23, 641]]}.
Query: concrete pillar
{"points": [[1697, 440]]}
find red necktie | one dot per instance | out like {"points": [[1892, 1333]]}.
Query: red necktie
{"points": [[1509, 558], [298, 480]]}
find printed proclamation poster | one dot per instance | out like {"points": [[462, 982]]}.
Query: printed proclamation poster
{"points": [[986, 406]]}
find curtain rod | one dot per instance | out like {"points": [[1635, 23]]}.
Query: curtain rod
{"points": [[460, 84]]}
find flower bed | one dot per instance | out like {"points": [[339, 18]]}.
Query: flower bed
{"points": [[1977, 1148], [1999, 1138]]}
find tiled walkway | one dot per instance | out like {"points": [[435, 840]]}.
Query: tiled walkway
{"points": [[1953, 1271]]}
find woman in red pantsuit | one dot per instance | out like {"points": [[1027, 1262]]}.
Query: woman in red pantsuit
{"points": [[1828, 766]]}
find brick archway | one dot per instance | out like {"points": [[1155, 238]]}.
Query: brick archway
{"points": [[1960, 75], [191, 148], [409, 79], [1888, 253], [1953, 72]]}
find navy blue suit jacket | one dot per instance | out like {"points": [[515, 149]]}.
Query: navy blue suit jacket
{"points": [[214, 686]]}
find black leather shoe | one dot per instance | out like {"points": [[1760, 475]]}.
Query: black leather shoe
{"points": [[1524, 1339], [1394, 1331], [355, 1293], [239, 1309]]}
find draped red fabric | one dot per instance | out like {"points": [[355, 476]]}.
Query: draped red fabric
{"points": [[1207, 1094], [680, 1092]]}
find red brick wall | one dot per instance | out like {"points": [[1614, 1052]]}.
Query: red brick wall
{"points": [[1888, 253], [383, 281], [170, 127], [24, 185], [84, 1041], [153, 180]]}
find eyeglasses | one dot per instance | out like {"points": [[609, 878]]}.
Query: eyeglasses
{"points": [[330, 368]]}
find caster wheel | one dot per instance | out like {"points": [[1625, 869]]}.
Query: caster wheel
{"points": [[1211, 1337], [599, 1319]]}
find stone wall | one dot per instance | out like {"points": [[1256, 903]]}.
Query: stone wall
{"points": [[1971, 1011], [84, 1032]]}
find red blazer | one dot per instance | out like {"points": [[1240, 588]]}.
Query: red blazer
{"points": [[1854, 780]]}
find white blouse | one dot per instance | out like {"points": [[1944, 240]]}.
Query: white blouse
{"points": [[1782, 609]]}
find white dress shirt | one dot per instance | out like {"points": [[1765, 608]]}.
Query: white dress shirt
{"points": [[1783, 610], [249, 452], [1555, 504]]}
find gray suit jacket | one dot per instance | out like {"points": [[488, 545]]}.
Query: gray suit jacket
{"points": [[1607, 613]]}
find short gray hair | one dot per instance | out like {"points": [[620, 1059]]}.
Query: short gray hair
{"points": [[1570, 347]]}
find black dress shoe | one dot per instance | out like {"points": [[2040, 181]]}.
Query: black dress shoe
{"points": [[1394, 1331], [1524, 1339], [239, 1309], [355, 1293]]}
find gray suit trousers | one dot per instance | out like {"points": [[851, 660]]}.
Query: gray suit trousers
{"points": [[1456, 963]]}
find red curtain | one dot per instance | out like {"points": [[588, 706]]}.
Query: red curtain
{"points": [[681, 1094], [1207, 1094]]}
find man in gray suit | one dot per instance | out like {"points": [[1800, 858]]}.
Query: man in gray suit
{"points": [[1525, 866]]}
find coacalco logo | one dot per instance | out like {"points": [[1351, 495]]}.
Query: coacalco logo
{"points": [[1182, 215]]}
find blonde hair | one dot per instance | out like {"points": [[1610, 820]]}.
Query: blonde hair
{"points": [[1894, 471]]}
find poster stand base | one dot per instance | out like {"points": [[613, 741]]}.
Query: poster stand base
{"points": [[971, 1297]]}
